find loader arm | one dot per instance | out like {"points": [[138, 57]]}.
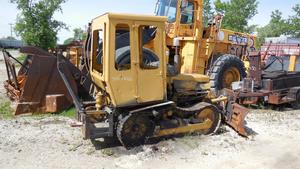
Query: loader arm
{"points": [[62, 69]]}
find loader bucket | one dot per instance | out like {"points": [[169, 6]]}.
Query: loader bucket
{"points": [[37, 87], [235, 118]]}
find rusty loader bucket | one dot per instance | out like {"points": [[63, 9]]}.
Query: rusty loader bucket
{"points": [[37, 87]]}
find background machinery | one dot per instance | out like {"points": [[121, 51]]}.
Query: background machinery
{"points": [[208, 50], [273, 87]]}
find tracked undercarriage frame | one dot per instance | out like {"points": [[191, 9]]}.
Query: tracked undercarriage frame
{"points": [[134, 125]]}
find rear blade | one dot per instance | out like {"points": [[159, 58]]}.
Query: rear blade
{"points": [[236, 118]]}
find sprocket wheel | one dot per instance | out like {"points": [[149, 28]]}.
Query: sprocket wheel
{"points": [[211, 113], [133, 130]]}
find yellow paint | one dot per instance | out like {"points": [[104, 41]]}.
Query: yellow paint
{"points": [[74, 54], [199, 42], [191, 128], [192, 77], [231, 75], [221, 99], [292, 64], [134, 85]]}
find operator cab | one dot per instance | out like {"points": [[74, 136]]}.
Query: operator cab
{"points": [[180, 13], [128, 55]]}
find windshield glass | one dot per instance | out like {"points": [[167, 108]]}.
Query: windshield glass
{"points": [[187, 12], [167, 8]]}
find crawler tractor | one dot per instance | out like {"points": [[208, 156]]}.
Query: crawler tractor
{"points": [[136, 94]]}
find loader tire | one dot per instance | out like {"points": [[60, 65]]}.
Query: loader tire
{"points": [[225, 70], [133, 130], [123, 56]]}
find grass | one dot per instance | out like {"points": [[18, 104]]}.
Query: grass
{"points": [[6, 112], [71, 112], [21, 58], [68, 113], [107, 152]]}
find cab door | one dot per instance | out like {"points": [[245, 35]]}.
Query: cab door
{"points": [[150, 64], [121, 68]]}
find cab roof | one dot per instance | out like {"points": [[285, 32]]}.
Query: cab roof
{"points": [[136, 17]]}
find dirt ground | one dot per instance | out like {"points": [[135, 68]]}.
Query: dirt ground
{"points": [[48, 142]]}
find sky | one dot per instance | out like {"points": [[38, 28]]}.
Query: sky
{"points": [[77, 13]]}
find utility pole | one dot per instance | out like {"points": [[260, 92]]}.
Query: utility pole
{"points": [[11, 29]]}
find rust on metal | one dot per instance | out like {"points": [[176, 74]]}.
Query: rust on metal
{"points": [[37, 87], [54, 103], [237, 120], [255, 67], [272, 87]]}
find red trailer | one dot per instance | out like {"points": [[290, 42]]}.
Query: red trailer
{"points": [[280, 50]]}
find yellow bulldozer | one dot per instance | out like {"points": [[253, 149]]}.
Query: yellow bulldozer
{"points": [[137, 94], [140, 76]]}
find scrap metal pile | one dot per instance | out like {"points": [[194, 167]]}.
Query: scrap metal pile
{"points": [[276, 88]]}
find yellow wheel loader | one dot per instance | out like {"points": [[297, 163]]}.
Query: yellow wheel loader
{"points": [[136, 94], [207, 50]]}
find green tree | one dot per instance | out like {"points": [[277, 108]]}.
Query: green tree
{"points": [[251, 28], [78, 35], [280, 26], [36, 25], [276, 27], [294, 22], [207, 11], [68, 41], [237, 13]]}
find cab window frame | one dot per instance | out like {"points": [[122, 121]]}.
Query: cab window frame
{"points": [[119, 27], [190, 13], [96, 37]]}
